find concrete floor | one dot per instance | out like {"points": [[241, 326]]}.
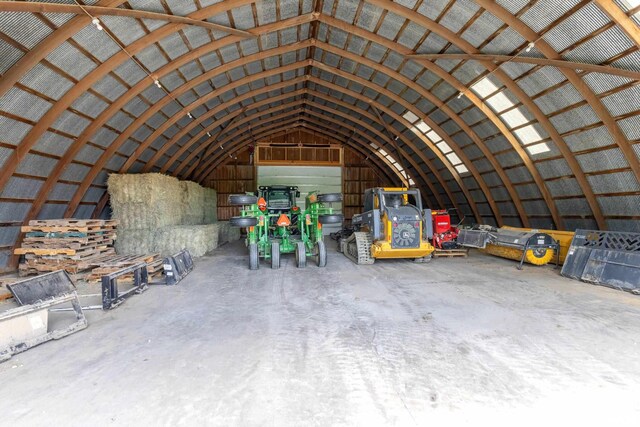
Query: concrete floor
{"points": [[396, 343]]}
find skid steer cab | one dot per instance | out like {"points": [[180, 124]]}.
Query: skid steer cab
{"points": [[393, 225], [275, 225]]}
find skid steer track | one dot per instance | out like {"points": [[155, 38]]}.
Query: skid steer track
{"points": [[357, 248]]}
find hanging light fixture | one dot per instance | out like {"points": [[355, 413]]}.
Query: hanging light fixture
{"points": [[530, 46], [96, 22]]}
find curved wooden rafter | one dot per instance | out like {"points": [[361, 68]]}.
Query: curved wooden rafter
{"points": [[40, 7], [460, 122], [616, 14], [248, 120], [242, 138], [307, 128], [75, 25], [609, 122], [383, 169], [558, 63], [585, 91], [143, 118]]}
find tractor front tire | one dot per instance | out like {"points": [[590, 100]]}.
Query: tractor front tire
{"points": [[301, 255], [330, 197], [330, 219], [275, 255], [254, 259], [321, 254], [242, 199], [243, 221]]}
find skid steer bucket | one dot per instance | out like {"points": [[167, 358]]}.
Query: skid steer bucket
{"points": [[35, 321]]}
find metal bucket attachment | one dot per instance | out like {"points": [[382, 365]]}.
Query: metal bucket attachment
{"points": [[473, 238], [607, 258], [36, 320], [177, 266]]}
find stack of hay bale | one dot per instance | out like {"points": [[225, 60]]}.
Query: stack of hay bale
{"points": [[158, 213]]}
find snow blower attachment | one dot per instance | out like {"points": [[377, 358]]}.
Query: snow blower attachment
{"points": [[528, 246], [276, 225], [392, 226]]}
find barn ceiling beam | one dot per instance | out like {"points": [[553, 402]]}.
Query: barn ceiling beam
{"points": [[242, 136], [558, 63], [588, 95], [357, 122], [40, 7], [210, 165], [619, 17], [387, 171], [71, 28]]}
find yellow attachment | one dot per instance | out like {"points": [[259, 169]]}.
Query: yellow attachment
{"points": [[563, 237], [383, 249], [535, 257]]}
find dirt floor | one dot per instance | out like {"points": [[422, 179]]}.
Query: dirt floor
{"points": [[397, 343]]}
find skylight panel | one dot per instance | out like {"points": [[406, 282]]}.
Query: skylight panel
{"points": [[538, 148], [411, 118], [484, 87], [433, 136], [461, 168], [499, 102], [423, 127], [411, 182], [453, 158], [528, 134], [444, 147], [381, 151], [514, 118]]}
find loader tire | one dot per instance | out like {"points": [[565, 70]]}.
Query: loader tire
{"points": [[330, 219], [330, 197], [242, 199], [243, 221]]}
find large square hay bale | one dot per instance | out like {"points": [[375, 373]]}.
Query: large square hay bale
{"points": [[210, 206], [192, 199], [145, 201]]}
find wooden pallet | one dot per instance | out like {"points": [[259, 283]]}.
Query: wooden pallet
{"points": [[72, 222], [451, 253], [109, 265]]}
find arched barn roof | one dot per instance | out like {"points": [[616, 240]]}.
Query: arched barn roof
{"points": [[517, 112]]}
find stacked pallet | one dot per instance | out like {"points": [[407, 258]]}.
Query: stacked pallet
{"points": [[69, 244], [110, 264]]}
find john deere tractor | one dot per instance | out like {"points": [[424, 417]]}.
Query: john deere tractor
{"points": [[392, 226], [276, 225]]}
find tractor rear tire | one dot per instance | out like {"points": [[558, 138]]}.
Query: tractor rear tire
{"points": [[254, 259], [242, 199], [321, 254], [330, 197], [243, 221], [330, 219], [275, 255], [301, 255]]}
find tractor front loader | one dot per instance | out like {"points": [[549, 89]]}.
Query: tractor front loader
{"points": [[275, 225]]}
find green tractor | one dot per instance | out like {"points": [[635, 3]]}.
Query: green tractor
{"points": [[276, 225]]}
